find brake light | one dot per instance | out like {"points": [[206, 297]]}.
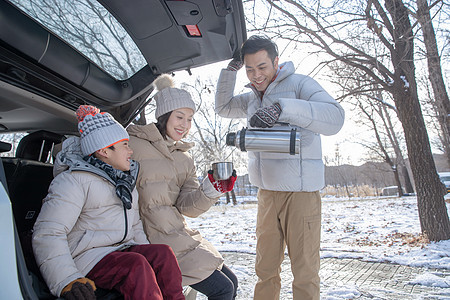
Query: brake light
{"points": [[193, 31]]}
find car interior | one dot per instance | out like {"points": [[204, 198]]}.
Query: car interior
{"points": [[47, 70]]}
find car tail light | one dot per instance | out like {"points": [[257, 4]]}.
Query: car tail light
{"points": [[193, 31]]}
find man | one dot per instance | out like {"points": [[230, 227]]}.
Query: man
{"points": [[289, 204]]}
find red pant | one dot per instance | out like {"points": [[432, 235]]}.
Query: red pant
{"points": [[144, 272]]}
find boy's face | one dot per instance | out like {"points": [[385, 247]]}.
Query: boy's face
{"points": [[260, 69], [119, 158], [179, 123]]}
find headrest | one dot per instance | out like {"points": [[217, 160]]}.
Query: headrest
{"points": [[37, 145], [4, 147]]}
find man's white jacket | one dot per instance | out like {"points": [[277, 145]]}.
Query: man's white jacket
{"points": [[305, 106]]}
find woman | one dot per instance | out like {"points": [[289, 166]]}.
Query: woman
{"points": [[168, 189]]}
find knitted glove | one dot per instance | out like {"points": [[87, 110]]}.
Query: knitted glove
{"points": [[266, 116], [235, 64], [79, 289], [223, 186]]}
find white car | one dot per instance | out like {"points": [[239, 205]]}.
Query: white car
{"points": [[56, 55]]}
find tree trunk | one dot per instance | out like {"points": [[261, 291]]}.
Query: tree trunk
{"points": [[397, 179], [347, 190], [441, 100], [432, 209], [433, 215], [233, 197], [401, 165], [408, 185], [389, 133]]}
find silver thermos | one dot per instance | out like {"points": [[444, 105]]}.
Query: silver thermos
{"points": [[278, 140]]}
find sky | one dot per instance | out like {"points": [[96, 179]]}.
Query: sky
{"points": [[368, 229]]}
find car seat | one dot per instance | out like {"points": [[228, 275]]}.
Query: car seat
{"points": [[28, 176]]}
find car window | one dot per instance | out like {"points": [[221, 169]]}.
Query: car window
{"points": [[91, 29], [13, 139], [445, 178]]}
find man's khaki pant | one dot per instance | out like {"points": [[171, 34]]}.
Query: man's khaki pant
{"points": [[292, 219]]}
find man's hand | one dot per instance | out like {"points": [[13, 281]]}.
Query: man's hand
{"points": [[235, 64], [80, 289], [266, 116]]}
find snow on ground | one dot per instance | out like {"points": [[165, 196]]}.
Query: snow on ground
{"points": [[371, 229], [382, 230], [342, 293]]}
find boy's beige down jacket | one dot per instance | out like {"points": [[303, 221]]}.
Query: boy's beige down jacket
{"points": [[168, 189], [81, 221]]}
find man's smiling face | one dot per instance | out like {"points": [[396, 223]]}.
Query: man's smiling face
{"points": [[260, 69]]}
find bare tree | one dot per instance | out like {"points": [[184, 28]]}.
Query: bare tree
{"points": [[369, 113], [332, 31], [348, 79], [394, 140], [210, 130], [341, 177]]}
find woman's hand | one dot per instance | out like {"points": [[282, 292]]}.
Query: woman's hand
{"points": [[223, 186]]}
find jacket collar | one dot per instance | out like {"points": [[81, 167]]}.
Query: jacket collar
{"points": [[284, 70]]}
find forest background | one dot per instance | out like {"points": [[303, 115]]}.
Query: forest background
{"points": [[348, 49], [386, 62]]}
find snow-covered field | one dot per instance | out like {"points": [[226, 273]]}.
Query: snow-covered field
{"points": [[375, 229]]}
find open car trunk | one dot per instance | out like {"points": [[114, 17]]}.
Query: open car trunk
{"points": [[113, 61], [56, 55]]}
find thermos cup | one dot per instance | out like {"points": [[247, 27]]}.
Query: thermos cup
{"points": [[222, 170], [278, 140]]}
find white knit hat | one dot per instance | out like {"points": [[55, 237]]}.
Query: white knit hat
{"points": [[169, 98], [98, 130]]}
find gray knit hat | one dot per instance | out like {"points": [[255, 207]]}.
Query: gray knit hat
{"points": [[169, 98], [98, 130]]}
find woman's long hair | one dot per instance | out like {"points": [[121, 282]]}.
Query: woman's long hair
{"points": [[161, 124]]}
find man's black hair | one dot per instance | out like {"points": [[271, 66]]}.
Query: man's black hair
{"points": [[257, 43]]}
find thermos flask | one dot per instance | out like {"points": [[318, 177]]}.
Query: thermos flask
{"points": [[278, 140]]}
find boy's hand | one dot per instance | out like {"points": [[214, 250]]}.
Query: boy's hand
{"points": [[80, 289]]}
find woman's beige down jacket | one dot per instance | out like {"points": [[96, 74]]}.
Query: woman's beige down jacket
{"points": [[81, 220], [168, 189]]}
